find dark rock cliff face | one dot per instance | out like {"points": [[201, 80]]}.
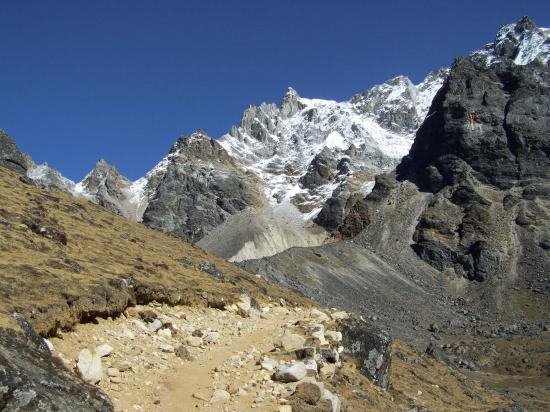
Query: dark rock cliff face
{"points": [[10, 155], [495, 150], [490, 123], [201, 187], [466, 217]]}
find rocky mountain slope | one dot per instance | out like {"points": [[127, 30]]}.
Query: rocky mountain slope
{"points": [[138, 320], [65, 261], [455, 242], [448, 253]]}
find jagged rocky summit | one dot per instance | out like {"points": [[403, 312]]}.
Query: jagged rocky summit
{"points": [[305, 148], [520, 43], [201, 186], [296, 170], [261, 185]]}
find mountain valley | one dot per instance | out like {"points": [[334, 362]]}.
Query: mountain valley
{"points": [[389, 252]]}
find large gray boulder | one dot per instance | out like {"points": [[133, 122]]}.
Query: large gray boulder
{"points": [[370, 347]]}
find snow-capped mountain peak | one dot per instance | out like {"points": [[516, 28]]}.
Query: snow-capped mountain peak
{"points": [[291, 103], [375, 128], [291, 163], [49, 178], [522, 42]]}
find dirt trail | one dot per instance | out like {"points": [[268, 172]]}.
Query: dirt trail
{"points": [[196, 376], [200, 352], [152, 379]]}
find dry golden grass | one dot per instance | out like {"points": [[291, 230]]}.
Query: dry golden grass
{"points": [[417, 380], [41, 277]]}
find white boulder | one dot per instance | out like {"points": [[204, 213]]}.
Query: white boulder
{"points": [[291, 373], [103, 350], [89, 366]]}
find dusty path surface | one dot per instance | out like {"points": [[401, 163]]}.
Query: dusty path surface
{"points": [[149, 374], [180, 388], [162, 358]]}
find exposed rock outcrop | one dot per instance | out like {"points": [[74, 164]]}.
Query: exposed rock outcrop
{"points": [[10, 155], [495, 123], [320, 171], [201, 187], [371, 348], [341, 214], [106, 186], [495, 151]]}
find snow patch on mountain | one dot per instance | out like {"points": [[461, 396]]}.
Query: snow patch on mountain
{"points": [[49, 178], [335, 141]]}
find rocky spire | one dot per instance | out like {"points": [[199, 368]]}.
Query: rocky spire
{"points": [[521, 42], [10, 155], [104, 174], [106, 186], [291, 103]]}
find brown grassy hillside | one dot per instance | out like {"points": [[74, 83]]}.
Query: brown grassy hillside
{"points": [[64, 259]]}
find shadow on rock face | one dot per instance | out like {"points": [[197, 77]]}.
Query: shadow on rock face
{"points": [[31, 380]]}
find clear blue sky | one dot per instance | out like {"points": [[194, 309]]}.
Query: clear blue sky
{"points": [[121, 79]]}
